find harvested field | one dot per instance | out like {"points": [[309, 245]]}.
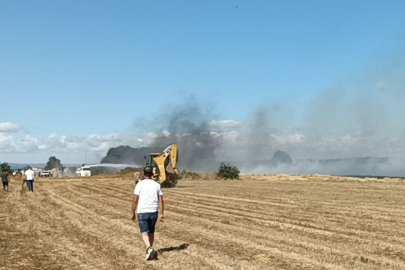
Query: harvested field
{"points": [[258, 222]]}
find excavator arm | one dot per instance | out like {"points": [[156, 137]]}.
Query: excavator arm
{"points": [[164, 167], [167, 164]]}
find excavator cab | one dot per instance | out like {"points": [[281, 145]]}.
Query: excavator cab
{"points": [[150, 161]]}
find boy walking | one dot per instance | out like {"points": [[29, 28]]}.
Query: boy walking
{"points": [[148, 200]]}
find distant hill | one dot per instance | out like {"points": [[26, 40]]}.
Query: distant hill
{"points": [[128, 155], [16, 166]]}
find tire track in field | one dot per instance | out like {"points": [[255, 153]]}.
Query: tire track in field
{"points": [[296, 221], [97, 214], [276, 217], [222, 257], [74, 235], [104, 232], [376, 210], [25, 255], [339, 236], [51, 220], [320, 208], [185, 235], [212, 259], [305, 243], [293, 221], [331, 217], [242, 232]]}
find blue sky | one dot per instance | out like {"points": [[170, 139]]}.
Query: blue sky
{"points": [[76, 68]]}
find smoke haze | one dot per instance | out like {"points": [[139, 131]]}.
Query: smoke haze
{"points": [[360, 118]]}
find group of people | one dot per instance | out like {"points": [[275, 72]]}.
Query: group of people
{"points": [[28, 178]]}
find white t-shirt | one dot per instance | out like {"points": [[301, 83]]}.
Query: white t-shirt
{"points": [[148, 191], [29, 174]]}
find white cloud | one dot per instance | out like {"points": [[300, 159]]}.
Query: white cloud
{"points": [[64, 144], [9, 127], [233, 144], [26, 144], [6, 142], [224, 123], [166, 133], [289, 139], [53, 135], [381, 86]]}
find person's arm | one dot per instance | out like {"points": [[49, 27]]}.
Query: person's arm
{"points": [[161, 208], [134, 206], [8, 178], [136, 178]]}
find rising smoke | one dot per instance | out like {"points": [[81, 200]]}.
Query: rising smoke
{"points": [[187, 126], [331, 134]]}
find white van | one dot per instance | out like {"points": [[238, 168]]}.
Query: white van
{"points": [[83, 171]]}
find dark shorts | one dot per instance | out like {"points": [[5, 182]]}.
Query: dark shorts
{"points": [[147, 222]]}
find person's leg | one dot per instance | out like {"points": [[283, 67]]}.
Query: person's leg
{"points": [[151, 225], [29, 184], [32, 185], [6, 187], [143, 225], [145, 238], [151, 237], [144, 220]]}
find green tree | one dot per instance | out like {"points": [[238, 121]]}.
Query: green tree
{"points": [[5, 167], [228, 171], [53, 163]]}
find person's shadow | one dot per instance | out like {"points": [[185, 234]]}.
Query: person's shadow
{"points": [[181, 247]]}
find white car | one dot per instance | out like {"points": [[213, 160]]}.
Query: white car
{"points": [[83, 171], [44, 174]]}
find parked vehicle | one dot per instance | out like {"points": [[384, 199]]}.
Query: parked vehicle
{"points": [[45, 174], [83, 171]]}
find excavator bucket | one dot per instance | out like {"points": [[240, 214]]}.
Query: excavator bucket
{"points": [[169, 168]]}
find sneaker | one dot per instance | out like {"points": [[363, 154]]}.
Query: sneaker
{"points": [[149, 253], [155, 255]]}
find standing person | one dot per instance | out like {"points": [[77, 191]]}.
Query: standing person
{"points": [[24, 180], [5, 178], [148, 200], [29, 177]]}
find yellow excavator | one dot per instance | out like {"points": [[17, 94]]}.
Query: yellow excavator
{"points": [[164, 166]]}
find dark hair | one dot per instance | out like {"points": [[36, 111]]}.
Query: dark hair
{"points": [[148, 171]]}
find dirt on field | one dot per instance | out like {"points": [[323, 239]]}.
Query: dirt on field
{"points": [[257, 222]]}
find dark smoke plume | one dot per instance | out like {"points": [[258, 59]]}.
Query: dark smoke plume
{"points": [[187, 126]]}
